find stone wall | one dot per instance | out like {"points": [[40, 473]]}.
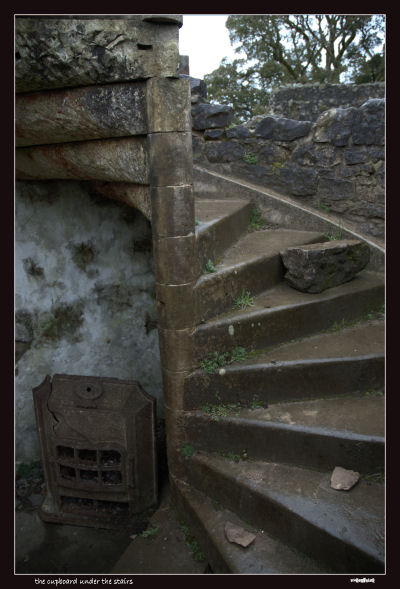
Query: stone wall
{"points": [[100, 114], [335, 164], [305, 102], [84, 294]]}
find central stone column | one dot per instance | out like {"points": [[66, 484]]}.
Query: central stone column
{"points": [[171, 186]]}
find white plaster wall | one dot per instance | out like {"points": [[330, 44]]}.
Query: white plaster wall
{"points": [[110, 299]]}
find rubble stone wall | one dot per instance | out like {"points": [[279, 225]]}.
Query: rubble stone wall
{"points": [[307, 101], [335, 163]]}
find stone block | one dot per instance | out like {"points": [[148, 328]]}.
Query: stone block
{"points": [[62, 51], [281, 129], [214, 133], [210, 116], [176, 436], [354, 156], [175, 305], [314, 268], [121, 160], [238, 132], [78, 114], [226, 151], [369, 124], [301, 181], [197, 86], [173, 385], [168, 105], [335, 188], [172, 210], [335, 126], [175, 19], [171, 159], [176, 349], [175, 259]]}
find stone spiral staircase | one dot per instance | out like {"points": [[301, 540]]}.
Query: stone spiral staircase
{"points": [[297, 393]]}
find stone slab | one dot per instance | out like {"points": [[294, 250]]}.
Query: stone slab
{"points": [[78, 114], [168, 105], [57, 52], [314, 268], [209, 116], [120, 160]]}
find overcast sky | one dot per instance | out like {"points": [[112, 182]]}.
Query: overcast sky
{"points": [[205, 39]]}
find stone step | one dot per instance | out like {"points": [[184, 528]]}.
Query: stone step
{"points": [[219, 224], [264, 556], [252, 264], [282, 314], [349, 360], [320, 434], [343, 530]]}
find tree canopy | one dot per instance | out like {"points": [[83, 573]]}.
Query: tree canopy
{"points": [[295, 48]]}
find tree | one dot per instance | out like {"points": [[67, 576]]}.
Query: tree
{"points": [[295, 48], [372, 70], [230, 84]]}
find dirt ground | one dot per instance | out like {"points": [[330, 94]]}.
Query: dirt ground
{"points": [[49, 548]]}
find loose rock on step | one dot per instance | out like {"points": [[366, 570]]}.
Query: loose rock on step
{"points": [[343, 479], [316, 267], [238, 535]]}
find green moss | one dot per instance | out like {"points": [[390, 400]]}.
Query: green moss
{"points": [[250, 158], [275, 166], [27, 470], [187, 451], [63, 320], [83, 254], [216, 360], [150, 533]]}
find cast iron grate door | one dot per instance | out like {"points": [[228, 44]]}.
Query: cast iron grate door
{"points": [[97, 438]]}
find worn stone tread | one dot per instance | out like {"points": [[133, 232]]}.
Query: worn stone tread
{"points": [[265, 556], [342, 529], [319, 433], [281, 314], [212, 210], [365, 337], [219, 224], [253, 264], [355, 414]]}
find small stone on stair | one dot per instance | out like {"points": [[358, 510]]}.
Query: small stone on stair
{"points": [[343, 479], [238, 535]]}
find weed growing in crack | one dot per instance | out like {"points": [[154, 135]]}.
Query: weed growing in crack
{"points": [[192, 543], [209, 268], [150, 533], [256, 403], [250, 158], [243, 301], [216, 360], [258, 222], [378, 313], [334, 233], [217, 411], [374, 393], [213, 361], [323, 207], [187, 451]]}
